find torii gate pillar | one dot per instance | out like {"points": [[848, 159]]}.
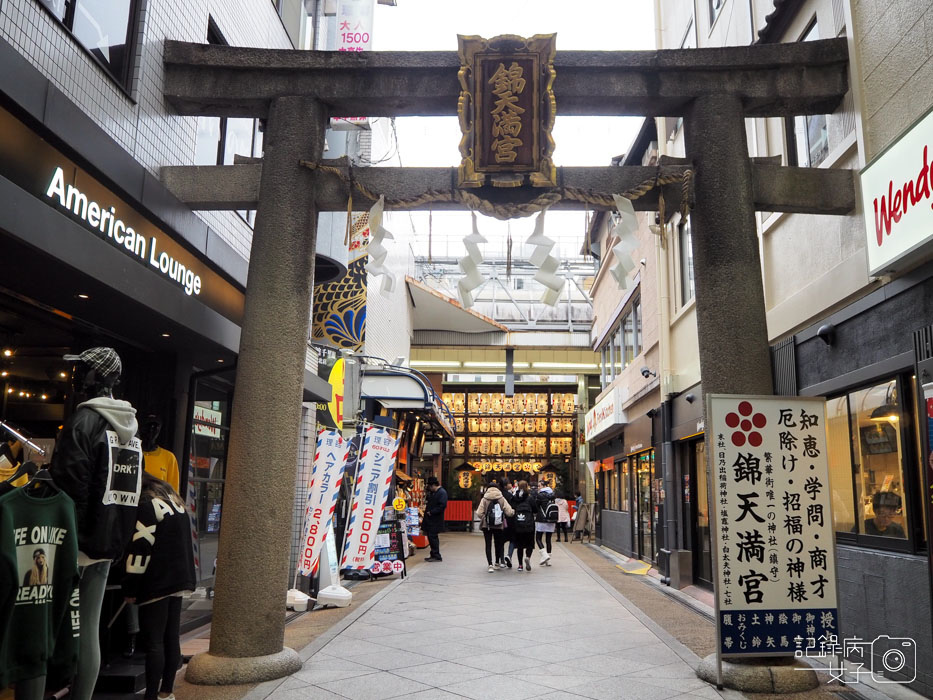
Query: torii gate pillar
{"points": [[731, 322], [260, 486]]}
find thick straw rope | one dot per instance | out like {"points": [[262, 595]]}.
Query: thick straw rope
{"points": [[509, 210]]}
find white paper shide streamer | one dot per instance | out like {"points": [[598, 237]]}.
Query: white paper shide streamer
{"points": [[546, 263], [469, 266], [623, 250], [378, 252]]}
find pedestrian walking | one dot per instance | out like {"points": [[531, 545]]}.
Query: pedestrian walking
{"points": [[563, 517], [508, 490], [523, 502], [159, 569], [492, 511], [433, 521], [545, 523]]}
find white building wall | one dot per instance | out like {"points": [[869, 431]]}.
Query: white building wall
{"points": [[388, 315], [894, 42], [139, 121]]}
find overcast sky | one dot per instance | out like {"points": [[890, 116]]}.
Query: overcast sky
{"points": [[433, 25]]}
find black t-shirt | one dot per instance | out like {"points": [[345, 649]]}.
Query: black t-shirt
{"points": [[892, 530]]}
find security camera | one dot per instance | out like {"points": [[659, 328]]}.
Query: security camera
{"points": [[645, 372]]}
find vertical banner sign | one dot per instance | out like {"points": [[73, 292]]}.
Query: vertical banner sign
{"points": [[355, 25], [192, 503], [330, 459], [769, 479], [376, 466]]}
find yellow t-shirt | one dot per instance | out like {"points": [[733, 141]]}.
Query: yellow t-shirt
{"points": [[6, 471], [162, 465]]}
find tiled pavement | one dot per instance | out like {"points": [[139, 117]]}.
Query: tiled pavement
{"points": [[453, 630]]}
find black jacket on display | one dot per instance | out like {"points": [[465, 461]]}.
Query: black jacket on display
{"points": [[159, 560], [434, 511], [98, 462]]}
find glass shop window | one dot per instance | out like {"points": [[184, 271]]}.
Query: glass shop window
{"points": [[872, 465], [614, 489], [622, 467], [105, 28]]}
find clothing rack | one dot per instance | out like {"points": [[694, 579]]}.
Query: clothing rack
{"points": [[22, 438]]}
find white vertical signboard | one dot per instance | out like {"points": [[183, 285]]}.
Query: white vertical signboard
{"points": [[376, 467], [774, 545], [330, 459], [355, 25], [354, 33]]}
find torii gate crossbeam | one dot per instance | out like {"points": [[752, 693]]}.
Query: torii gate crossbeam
{"points": [[714, 90]]}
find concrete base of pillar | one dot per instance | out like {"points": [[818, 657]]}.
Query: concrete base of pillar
{"points": [[761, 675], [207, 669]]}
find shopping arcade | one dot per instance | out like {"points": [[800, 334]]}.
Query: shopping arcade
{"points": [[713, 89]]}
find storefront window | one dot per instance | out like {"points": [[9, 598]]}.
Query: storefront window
{"points": [[613, 495], [867, 454], [646, 502], [839, 456], [207, 461], [702, 544], [622, 467], [879, 455]]}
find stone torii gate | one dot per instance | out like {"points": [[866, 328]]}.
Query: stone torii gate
{"points": [[714, 90]]}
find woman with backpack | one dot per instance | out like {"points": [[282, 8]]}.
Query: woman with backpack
{"points": [[492, 512], [546, 515], [523, 529]]}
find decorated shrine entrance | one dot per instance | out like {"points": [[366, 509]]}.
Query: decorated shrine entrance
{"points": [[506, 93]]}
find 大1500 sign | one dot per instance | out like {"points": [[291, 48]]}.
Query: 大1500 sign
{"points": [[105, 221]]}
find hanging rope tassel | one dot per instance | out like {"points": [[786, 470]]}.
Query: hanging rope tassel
{"points": [[346, 235]]}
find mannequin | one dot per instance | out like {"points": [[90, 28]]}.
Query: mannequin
{"points": [[159, 462], [98, 462]]}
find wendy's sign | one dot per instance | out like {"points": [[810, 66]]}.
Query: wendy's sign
{"points": [[897, 198], [507, 111]]}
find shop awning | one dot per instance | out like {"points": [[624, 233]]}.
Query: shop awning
{"points": [[316, 388], [403, 389], [434, 311]]}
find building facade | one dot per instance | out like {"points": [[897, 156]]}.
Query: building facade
{"points": [[98, 251], [848, 320]]}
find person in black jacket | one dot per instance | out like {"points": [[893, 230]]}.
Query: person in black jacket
{"points": [[523, 529], [159, 568], [98, 462], [433, 522]]}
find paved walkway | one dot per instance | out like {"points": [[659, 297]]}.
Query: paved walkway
{"points": [[454, 630]]}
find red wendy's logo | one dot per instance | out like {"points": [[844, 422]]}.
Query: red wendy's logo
{"points": [[745, 421]]}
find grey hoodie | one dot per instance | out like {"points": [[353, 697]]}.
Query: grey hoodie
{"points": [[103, 479], [120, 414]]}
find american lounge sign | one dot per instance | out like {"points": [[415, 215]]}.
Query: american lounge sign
{"points": [[897, 199], [507, 110]]}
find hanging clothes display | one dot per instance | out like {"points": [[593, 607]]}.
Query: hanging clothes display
{"points": [[38, 583]]}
